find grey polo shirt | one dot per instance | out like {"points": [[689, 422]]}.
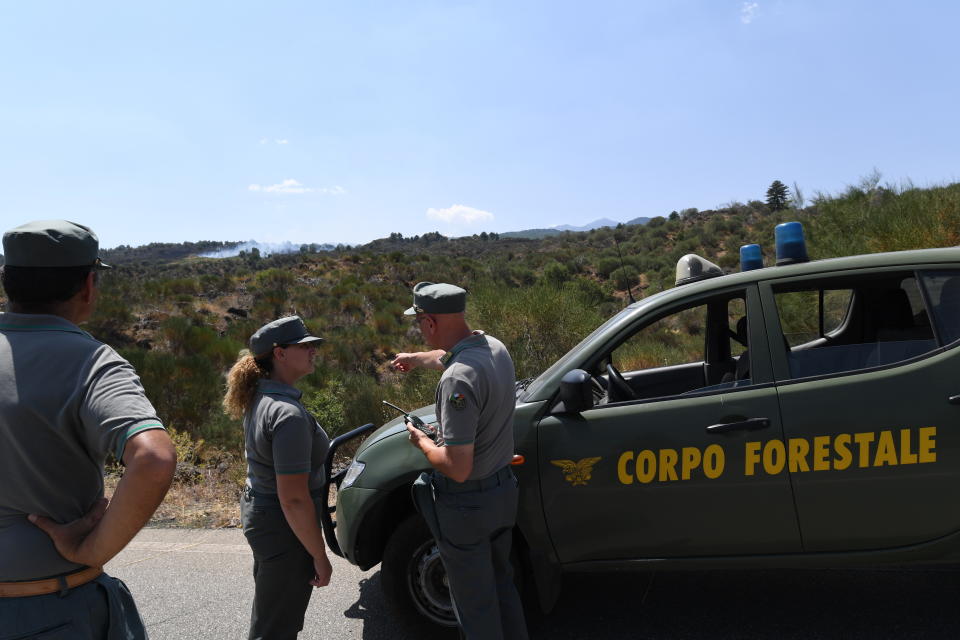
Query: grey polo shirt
{"points": [[66, 401], [282, 438], [475, 402]]}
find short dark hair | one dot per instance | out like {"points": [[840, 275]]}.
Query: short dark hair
{"points": [[42, 288]]}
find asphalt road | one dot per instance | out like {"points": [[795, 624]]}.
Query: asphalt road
{"points": [[197, 584]]}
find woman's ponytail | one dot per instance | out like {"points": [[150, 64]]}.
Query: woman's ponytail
{"points": [[242, 381]]}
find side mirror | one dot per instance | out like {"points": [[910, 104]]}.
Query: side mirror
{"points": [[576, 391]]}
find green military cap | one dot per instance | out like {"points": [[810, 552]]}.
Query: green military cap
{"points": [[429, 297], [289, 330], [52, 243]]}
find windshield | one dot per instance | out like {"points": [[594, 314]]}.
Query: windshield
{"points": [[563, 363]]}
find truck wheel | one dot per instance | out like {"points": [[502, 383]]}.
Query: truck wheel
{"points": [[413, 577]]}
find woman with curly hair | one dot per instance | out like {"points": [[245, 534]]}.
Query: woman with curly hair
{"points": [[286, 450]]}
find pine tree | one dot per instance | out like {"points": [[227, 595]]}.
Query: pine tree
{"points": [[777, 196]]}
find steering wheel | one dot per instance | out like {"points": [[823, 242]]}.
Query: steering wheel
{"points": [[618, 386]]}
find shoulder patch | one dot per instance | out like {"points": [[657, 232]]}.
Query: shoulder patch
{"points": [[458, 400]]}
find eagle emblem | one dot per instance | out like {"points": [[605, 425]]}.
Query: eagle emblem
{"points": [[576, 472]]}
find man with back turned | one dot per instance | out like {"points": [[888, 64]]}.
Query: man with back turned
{"points": [[66, 402], [475, 491]]}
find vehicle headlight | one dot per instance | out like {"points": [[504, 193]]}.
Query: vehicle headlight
{"points": [[353, 472]]}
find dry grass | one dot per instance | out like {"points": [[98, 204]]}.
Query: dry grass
{"points": [[207, 497]]}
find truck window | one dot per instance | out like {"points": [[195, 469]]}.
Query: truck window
{"points": [[700, 348], [943, 291], [800, 313], [673, 340], [853, 323]]}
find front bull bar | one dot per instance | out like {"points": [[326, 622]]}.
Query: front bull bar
{"points": [[326, 519]]}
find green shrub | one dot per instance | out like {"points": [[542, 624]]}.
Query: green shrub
{"points": [[327, 406], [606, 266], [555, 274], [869, 219], [538, 324], [625, 278]]}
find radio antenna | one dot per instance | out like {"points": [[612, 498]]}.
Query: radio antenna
{"points": [[616, 241]]}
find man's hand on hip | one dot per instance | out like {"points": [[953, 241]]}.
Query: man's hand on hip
{"points": [[69, 536], [151, 460]]}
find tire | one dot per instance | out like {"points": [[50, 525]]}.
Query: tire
{"points": [[412, 574]]}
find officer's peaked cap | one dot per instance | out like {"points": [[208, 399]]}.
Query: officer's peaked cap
{"points": [[281, 332], [429, 297], [52, 243]]}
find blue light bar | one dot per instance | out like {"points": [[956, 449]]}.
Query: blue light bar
{"points": [[791, 247], [750, 257]]}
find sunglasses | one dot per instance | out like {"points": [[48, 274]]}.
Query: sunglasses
{"points": [[418, 318], [302, 345]]}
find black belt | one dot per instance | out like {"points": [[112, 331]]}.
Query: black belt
{"points": [[259, 498], [445, 484]]}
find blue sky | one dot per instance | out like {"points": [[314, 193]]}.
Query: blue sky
{"points": [[344, 122]]}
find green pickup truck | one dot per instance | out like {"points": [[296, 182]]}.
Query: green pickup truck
{"points": [[797, 415]]}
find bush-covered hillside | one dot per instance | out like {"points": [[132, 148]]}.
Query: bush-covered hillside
{"points": [[182, 320]]}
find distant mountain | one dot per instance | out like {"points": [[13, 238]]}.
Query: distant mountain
{"points": [[596, 224], [536, 234]]}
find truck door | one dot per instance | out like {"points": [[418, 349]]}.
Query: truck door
{"points": [[657, 468], [866, 367]]}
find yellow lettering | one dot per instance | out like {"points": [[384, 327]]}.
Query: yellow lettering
{"points": [[797, 457], [690, 459], [906, 456], [646, 466], [668, 464], [841, 445], [821, 452], [751, 455], [863, 442], [927, 454], [713, 461], [774, 457], [622, 473], [886, 451]]}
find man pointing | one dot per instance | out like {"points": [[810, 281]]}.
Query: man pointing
{"points": [[476, 492]]}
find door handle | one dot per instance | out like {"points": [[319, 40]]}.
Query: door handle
{"points": [[954, 399], [748, 424]]}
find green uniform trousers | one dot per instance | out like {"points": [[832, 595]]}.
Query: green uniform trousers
{"points": [[282, 569], [476, 521]]}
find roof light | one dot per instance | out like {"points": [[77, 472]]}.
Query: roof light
{"points": [[791, 247], [750, 257], [691, 268]]}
